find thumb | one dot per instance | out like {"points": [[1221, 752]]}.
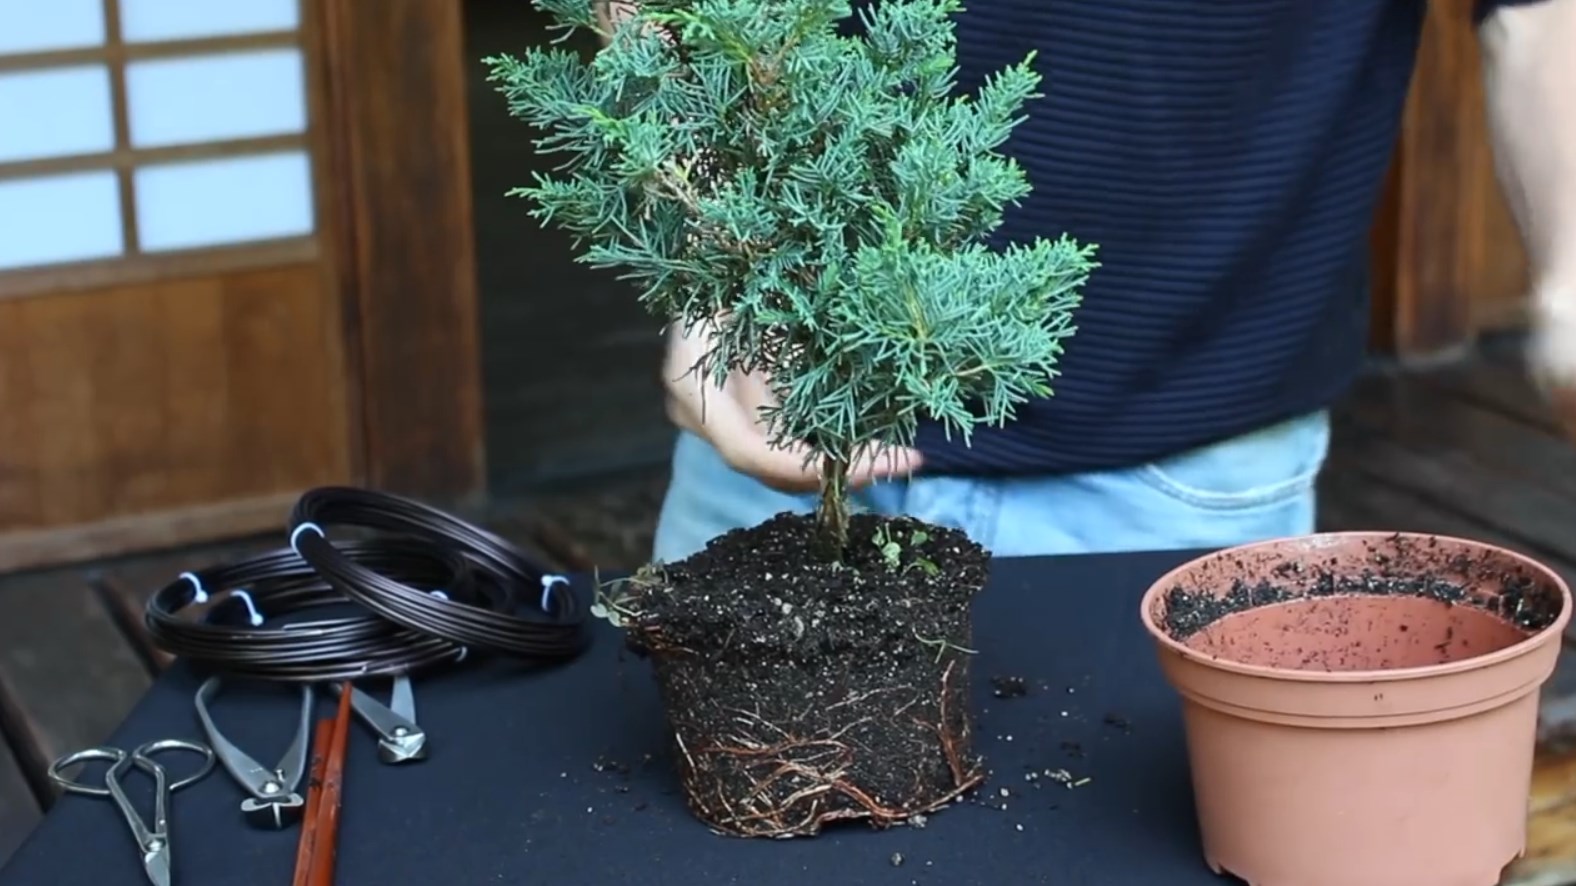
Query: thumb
{"points": [[1552, 354]]}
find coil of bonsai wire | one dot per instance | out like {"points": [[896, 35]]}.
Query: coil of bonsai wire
{"points": [[542, 618], [279, 583]]}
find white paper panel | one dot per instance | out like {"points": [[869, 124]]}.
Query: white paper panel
{"points": [[225, 200], [45, 25], [214, 97], [59, 218], [55, 112], [144, 21]]}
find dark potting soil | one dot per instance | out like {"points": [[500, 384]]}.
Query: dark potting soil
{"points": [[1399, 566], [802, 691]]}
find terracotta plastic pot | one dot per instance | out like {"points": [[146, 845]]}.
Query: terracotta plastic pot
{"points": [[1360, 708]]}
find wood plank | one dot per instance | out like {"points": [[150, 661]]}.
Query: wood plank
{"points": [[1422, 420], [1541, 521], [1384, 256], [186, 393], [286, 428], [1458, 258], [143, 269], [68, 675], [18, 809], [1353, 499], [45, 548], [1496, 384], [1502, 388], [611, 523], [1508, 347], [1551, 824], [401, 211]]}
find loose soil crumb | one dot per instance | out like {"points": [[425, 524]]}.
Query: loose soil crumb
{"points": [[1056, 776], [1430, 569], [801, 691], [616, 767], [1009, 687]]}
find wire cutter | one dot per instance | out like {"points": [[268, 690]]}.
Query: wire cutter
{"points": [[274, 803], [400, 740]]}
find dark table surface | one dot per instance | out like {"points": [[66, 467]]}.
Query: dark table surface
{"points": [[526, 780]]}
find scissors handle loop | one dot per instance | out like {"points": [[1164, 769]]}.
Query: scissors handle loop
{"points": [[145, 754], [112, 756], [152, 836], [142, 758]]}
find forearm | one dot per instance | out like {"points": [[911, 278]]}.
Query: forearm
{"points": [[1529, 54]]}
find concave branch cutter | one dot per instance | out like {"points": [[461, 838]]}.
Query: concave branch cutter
{"points": [[400, 740], [274, 803]]}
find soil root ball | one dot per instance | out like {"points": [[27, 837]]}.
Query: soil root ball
{"points": [[801, 692]]}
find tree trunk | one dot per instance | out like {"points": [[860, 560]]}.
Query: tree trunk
{"points": [[832, 511]]}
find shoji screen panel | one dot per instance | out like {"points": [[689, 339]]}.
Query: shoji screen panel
{"points": [[143, 139], [172, 347]]}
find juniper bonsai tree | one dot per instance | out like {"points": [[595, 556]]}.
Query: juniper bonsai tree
{"points": [[824, 201]]}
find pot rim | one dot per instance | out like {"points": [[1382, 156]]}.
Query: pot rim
{"points": [[1516, 650]]}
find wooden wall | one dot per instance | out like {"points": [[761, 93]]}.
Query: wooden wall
{"points": [[398, 94], [136, 400], [1448, 263]]}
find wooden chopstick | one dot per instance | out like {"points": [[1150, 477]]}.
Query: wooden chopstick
{"points": [[325, 841], [322, 745]]}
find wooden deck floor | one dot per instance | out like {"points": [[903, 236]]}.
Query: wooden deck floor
{"points": [[1463, 449]]}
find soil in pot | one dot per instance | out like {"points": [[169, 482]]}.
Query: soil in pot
{"points": [[1326, 615], [800, 691]]}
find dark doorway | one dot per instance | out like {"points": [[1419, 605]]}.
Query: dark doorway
{"points": [[570, 359]]}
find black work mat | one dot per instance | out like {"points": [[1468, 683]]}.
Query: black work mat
{"points": [[545, 777]]}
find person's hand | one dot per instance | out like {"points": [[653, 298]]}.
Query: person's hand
{"points": [[729, 418], [612, 13], [1553, 354]]}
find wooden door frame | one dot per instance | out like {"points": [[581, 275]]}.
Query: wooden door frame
{"points": [[401, 227], [395, 214]]}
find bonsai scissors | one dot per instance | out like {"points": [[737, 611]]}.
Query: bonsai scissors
{"points": [[153, 837], [400, 740], [273, 803]]}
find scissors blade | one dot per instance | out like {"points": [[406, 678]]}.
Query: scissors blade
{"points": [[156, 862]]}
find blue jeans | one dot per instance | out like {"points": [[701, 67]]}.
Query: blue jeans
{"points": [[1253, 487]]}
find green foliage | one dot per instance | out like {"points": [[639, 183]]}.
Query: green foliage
{"points": [[824, 199]]}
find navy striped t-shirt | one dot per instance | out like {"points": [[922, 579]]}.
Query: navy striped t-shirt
{"points": [[1226, 157]]}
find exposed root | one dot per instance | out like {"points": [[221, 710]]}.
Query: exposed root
{"points": [[800, 783], [949, 743]]}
